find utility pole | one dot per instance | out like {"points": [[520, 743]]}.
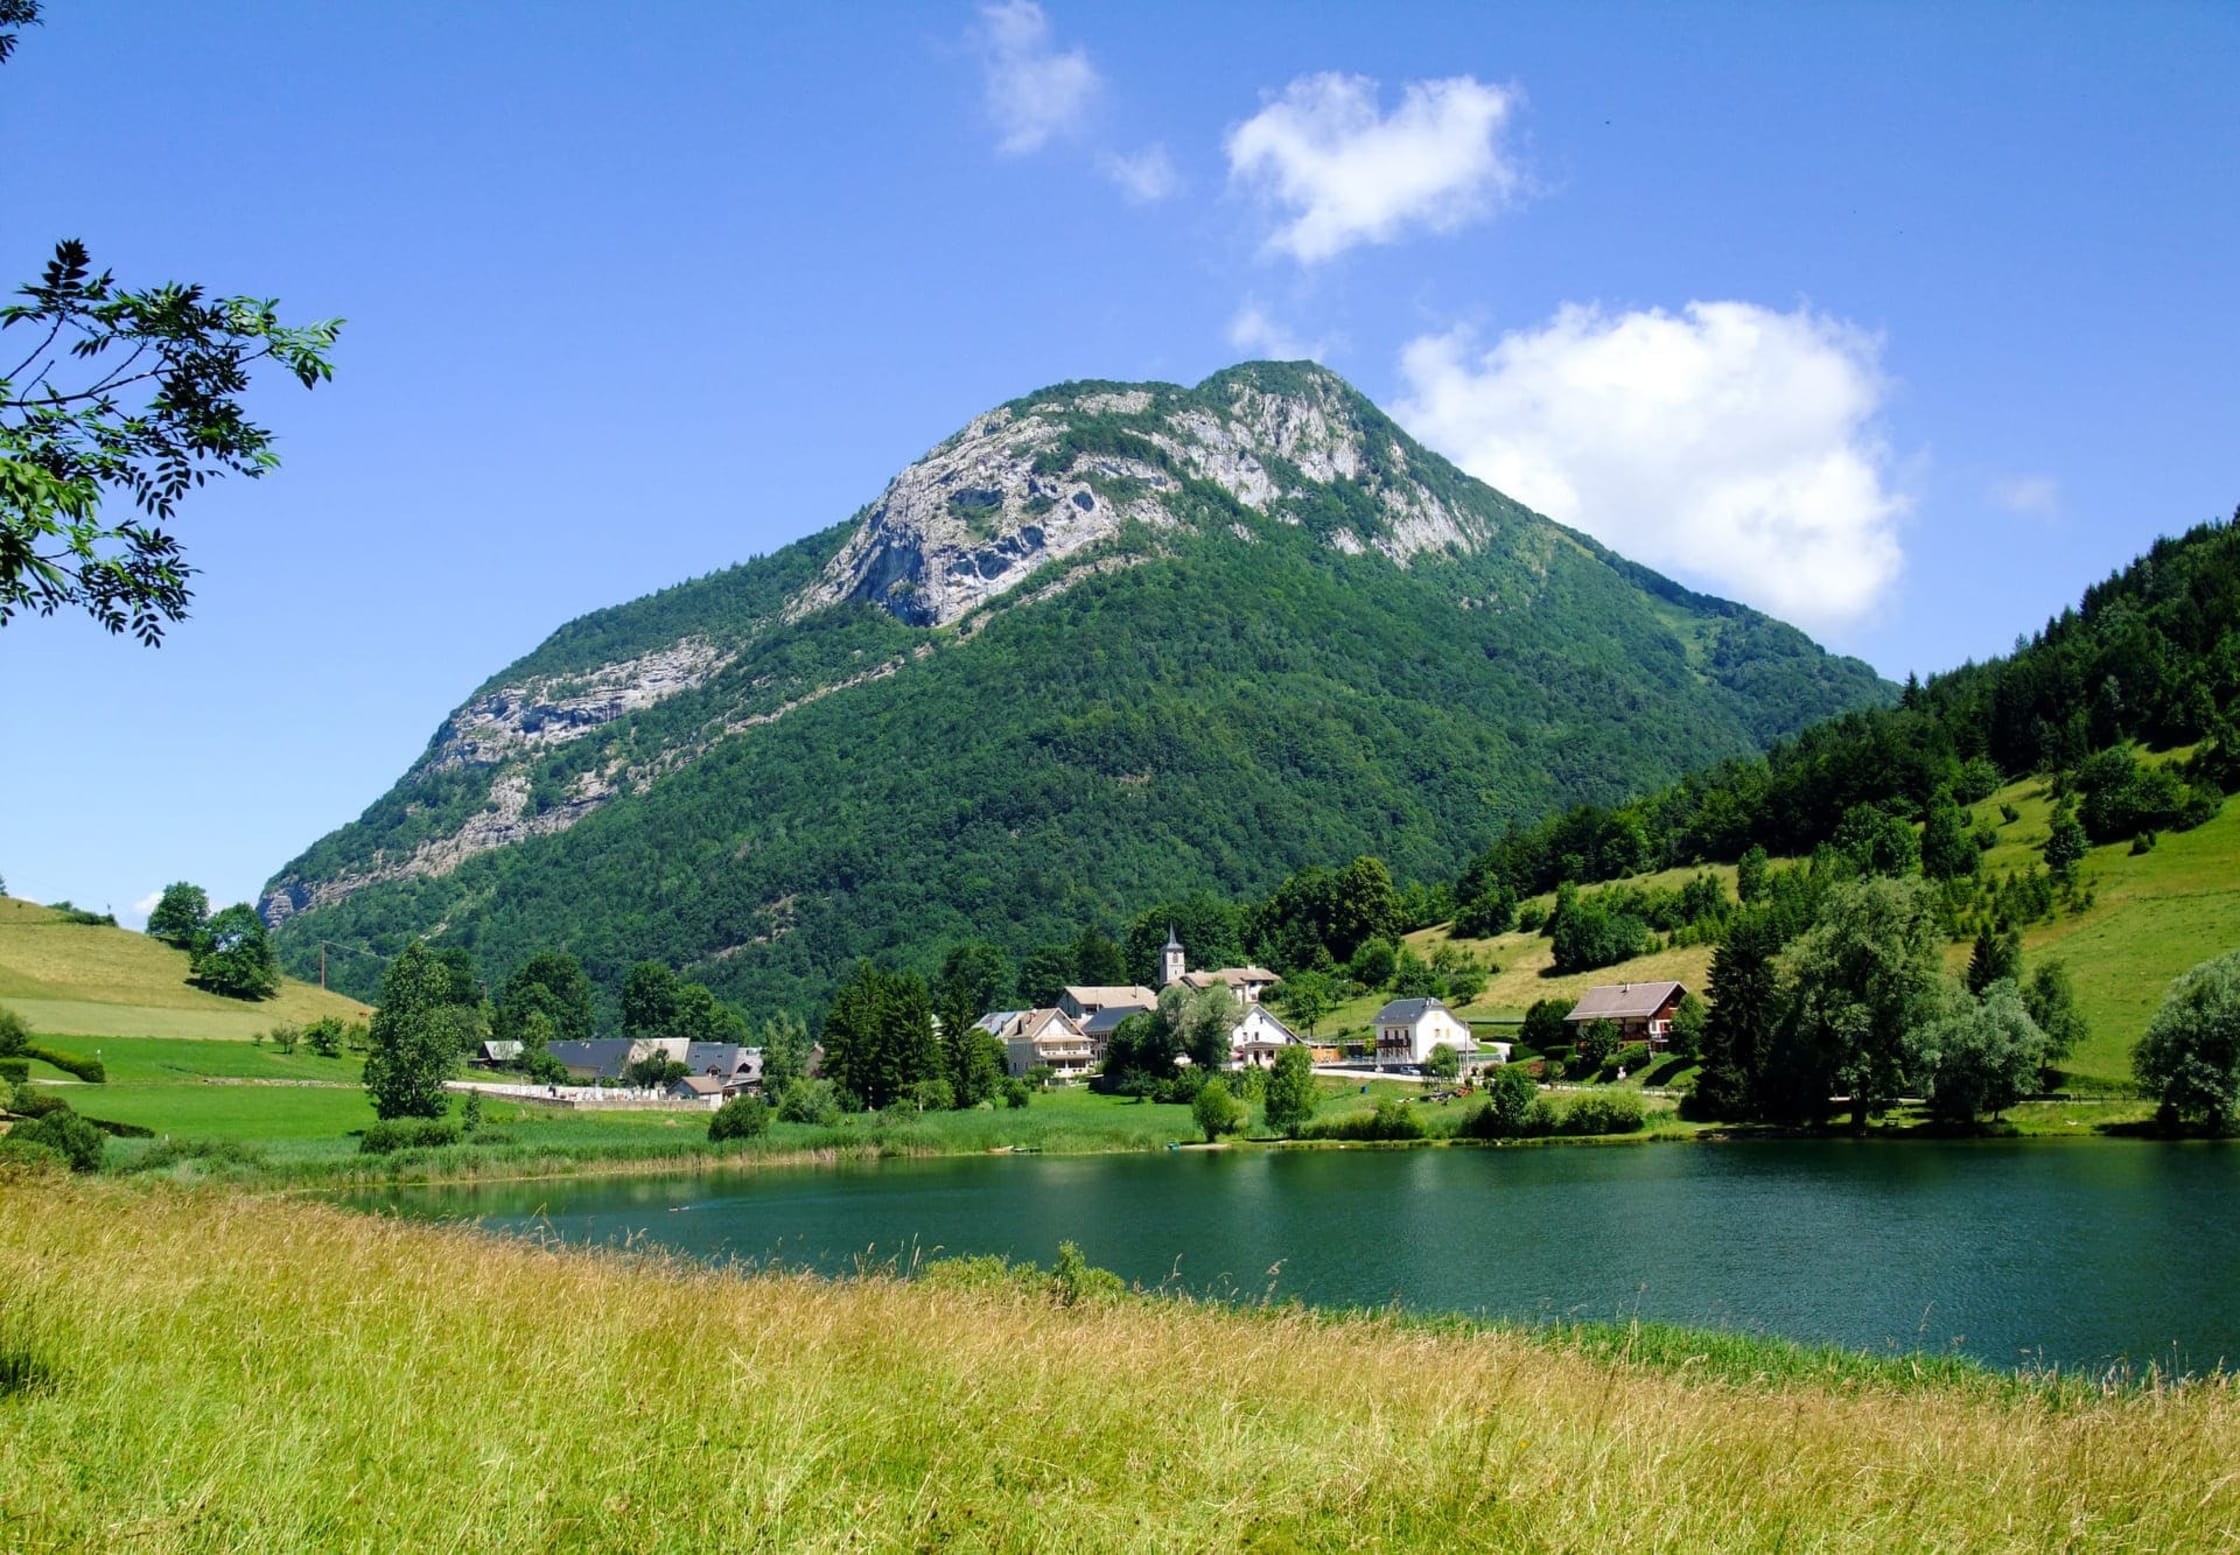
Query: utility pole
{"points": [[322, 966]]}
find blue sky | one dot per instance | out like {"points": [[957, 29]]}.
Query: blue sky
{"points": [[1905, 323]]}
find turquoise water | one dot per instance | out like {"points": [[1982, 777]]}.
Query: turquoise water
{"points": [[2077, 1255]]}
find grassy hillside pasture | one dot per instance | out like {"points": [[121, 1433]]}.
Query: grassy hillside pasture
{"points": [[99, 981], [2154, 915], [190, 1370]]}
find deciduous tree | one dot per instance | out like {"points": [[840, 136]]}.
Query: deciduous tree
{"points": [[1216, 1111], [552, 984], [2189, 1060], [132, 398], [233, 955], [1981, 1058], [1863, 980], [179, 917], [414, 1040], [1292, 1094]]}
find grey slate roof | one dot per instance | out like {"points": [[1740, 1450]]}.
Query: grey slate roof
{"points": [[1405, 1012], [1104, 1021], [605, 1057], [1624, 1001], [723, 1058]]}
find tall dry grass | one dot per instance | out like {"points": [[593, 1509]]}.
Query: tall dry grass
{"points": [[189, 1369]]}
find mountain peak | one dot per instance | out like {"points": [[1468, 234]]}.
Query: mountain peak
{"points": [[1078, 465]]}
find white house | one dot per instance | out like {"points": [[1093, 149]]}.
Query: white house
{"points": [[1408, 1029], [1259, 1037], [1032, 1037]]}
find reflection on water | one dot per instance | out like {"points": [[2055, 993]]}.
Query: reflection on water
{"points": [[2070, 1255]]}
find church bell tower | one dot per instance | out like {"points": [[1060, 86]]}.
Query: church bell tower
{"points": [[1171, 962]]}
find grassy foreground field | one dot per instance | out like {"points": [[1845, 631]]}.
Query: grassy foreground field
{"points": [[187, 1369], [93, 980]]}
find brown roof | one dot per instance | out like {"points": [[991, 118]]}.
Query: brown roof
{"points": [[1230, 977], [1625, 1001], [1092, 997]]}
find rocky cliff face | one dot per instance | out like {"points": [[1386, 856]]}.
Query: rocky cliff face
{"points": [[1051, 476]]}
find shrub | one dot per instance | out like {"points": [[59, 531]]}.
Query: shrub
{"points": [[14, 1035], [65, 1133], [207, 1152], [89, 1070], [1390, 1119], [1442, 1062], [1979, 779], [1510, 1094], [1603, 1112], [1017, 1093], [809, 1101], [936, 1095], [14, 1071], [1531, 917], [1546, 1028], [1493, 911], [1075, 1280], [1589, 935], [1542, 1118], [2008, 814], [1598, 1041], [1216, 1111], [72, 913], [324, 1036], [19, 1152], [393, 1134], [741, 1117], [27, 1102], [1630, 1058], [1373, 963]]}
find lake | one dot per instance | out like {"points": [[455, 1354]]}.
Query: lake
{"points": [[2017, 1253]]}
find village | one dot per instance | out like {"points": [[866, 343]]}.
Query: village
{"points": [[1065, 1044]]}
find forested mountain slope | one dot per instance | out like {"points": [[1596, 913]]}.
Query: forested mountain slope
{"points": [[1108, 643]]}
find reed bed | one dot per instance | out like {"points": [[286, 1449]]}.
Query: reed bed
{"points": [[192, 1368]]}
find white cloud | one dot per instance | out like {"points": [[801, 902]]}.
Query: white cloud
{"points": [[2038, 496], [1259, 336], [1145, 177], [1727, 442], [1034, 92], [1350, 174], [136, 916]]}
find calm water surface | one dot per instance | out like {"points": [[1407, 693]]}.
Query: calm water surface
{"points": [[2061, 1254]]}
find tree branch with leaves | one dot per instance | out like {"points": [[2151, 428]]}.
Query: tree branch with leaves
{"points": [[133, 396]]}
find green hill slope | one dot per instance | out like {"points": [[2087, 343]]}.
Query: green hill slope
{"points": [[1108, 643], [98, 981], [2151, 916]]}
